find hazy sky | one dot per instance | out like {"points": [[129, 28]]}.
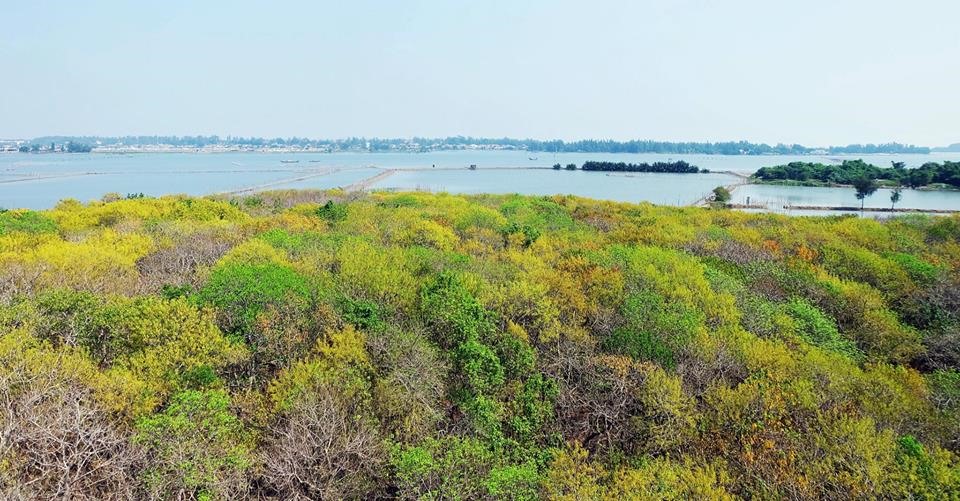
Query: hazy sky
{"points": [[815, 72]]}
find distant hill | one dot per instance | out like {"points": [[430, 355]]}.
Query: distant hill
{"points": [[951, 148]]}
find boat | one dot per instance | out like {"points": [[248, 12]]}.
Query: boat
{"points": [[531, 158], [289, 161]]}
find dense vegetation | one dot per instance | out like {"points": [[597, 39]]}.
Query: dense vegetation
{"points": [[678, 167], [496, 347], [68, 147], [721, 194], [461, 142], [946, 173]]}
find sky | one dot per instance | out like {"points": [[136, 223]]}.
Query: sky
{"points": [[814, 72]]}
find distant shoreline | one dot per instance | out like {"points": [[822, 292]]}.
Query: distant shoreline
{"points": [[450, 143], [274, 150]]}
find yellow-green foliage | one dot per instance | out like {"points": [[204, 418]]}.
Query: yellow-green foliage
{"points": [[339, 359], [71, 215], [103, 262], [506, 347], [573, 477], [156, 345]]}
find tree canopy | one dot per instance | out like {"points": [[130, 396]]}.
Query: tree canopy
{"points": [[847, 172], [324, 345]]}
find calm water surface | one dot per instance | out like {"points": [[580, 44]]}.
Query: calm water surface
{"points": [[666, 189], [776, 197], [40, 180]]}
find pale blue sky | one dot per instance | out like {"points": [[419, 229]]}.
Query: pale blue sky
{"points": [[815, 72]]}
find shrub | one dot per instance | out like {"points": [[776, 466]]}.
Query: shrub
{"points": [[460, 467], [241, 291], [324, 447], [332, 211], [58, 440], [654, 329], [818, 329], [409, 345], [721, 195], [195, 448], [27, 221], [919, 270]]}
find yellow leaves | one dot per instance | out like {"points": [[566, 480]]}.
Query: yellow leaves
{"points": [[128, 394], [670, 418], [871, 324], [517, 331], [15, 243], [678, 278], [20, 350], [619, 365], [427, 233], [866, 232], [572, 476], [345, 347], [662, 479], [857, 455], [341, 357], [71, 215], [770, 358], [746, 234], [478, 217], [255, 252], [376, 273], [24, 357], [296, 220], [527, 303], [156, 342], [103, 262], [652, 231], [481, 242]]}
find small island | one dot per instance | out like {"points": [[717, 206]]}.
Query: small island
{"points": [[931, 175]]}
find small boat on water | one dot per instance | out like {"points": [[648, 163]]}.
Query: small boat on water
{"points": [[289, 161], [531, 158]]}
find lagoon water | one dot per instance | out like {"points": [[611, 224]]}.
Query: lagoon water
{"points": [[38, 181], [777, 198], [665, 189]]}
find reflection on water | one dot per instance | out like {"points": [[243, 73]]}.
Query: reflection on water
{"points": [[776, 197]]}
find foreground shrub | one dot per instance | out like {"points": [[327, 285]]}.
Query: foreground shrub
{"points": [[195, 448]]}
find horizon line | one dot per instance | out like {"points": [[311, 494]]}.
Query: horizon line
{"points": [[488, 139]]}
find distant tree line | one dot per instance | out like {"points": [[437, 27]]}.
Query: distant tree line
{"points": [[69, 147], [463, 142], [72, 147], [678, 167], [878, 148], [850, 171]]}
